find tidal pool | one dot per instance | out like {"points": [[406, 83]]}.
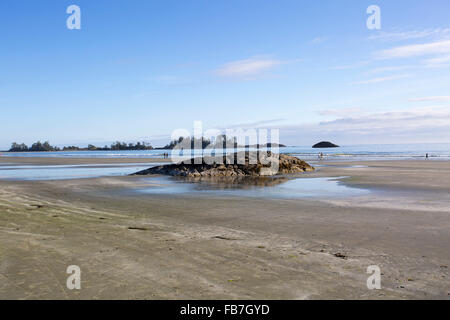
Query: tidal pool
{"points": [[265, 187], [61, 172], [269, 187]]}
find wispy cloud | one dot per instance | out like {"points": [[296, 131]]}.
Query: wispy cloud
{"points": [[437, 47], [350, 66], [169, 80], [390, 68], [256, 124], [247, 67], [438, 60], [342, 112], [318, 40], [382, 79], [409, 35], [433, 99]]}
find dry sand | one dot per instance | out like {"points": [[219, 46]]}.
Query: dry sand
{"points": [[194, 246]]}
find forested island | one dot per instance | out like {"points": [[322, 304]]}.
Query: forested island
{"points": [[46, 146], [221, 141]]}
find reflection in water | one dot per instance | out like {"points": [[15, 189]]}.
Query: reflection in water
{"points": [[292, 186], [62, 172], [235, 182], [263, 187]]}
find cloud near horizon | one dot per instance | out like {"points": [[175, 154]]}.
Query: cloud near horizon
{"points": [[358, 126], [435, 99], [427, 124], [340, 112]]}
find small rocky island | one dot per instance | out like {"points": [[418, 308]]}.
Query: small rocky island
{"points": [[325, 144], [229, 168]]}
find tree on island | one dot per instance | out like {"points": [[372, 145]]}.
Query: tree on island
{"points": [[37, 146], [15, 147], [202, 143], [130, 146], [221, 141]]}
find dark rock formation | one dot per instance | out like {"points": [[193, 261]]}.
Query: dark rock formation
{"points": [[253, 166], [325, 144]]}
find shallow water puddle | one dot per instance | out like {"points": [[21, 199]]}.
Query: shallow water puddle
{"points": [[261, 187], [61, 172]]}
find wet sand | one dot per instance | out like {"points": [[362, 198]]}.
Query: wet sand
{"points": [[192, 246], [75, 161]]}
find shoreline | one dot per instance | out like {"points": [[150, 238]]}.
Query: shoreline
{"points": [[112, 160]]}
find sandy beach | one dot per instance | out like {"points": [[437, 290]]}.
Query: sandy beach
{"points": [[197, 245]]}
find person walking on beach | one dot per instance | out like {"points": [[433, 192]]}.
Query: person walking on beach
{"points": [[426, 156]]}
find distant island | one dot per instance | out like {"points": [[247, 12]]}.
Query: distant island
{"points": [[221, 141], [45, 146], [195, 143], [325, 144]]}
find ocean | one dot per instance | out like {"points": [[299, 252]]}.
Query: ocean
{"points": [[436, 151]]}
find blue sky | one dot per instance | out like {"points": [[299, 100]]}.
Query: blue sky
{"points": [[137, 70]]}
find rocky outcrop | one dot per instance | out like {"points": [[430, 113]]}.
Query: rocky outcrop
{"points": [[229, 166], [325, 144]]}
